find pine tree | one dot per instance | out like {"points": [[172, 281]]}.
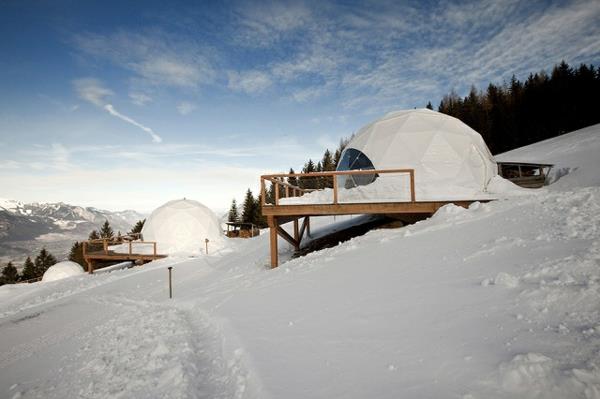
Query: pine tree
{"points": [[308, 182], [92, 247], [106, 231], [43, 261], [137, 228], [259, 219], [76, 254], [248, 208], [28, 270], [429, 106], [10, 275], [293, 180], [327, 165], [233, 215]]}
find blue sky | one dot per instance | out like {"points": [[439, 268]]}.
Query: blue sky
{"points": [[130, 104]]}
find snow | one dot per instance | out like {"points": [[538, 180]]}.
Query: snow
{"points": [[499, 300], [62, 270]]}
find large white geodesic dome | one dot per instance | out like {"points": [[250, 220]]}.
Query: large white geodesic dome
{"points": [[62, 270], [181, 227], [449, 158]]}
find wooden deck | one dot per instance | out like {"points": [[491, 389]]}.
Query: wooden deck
{"points": [[278, 213], [93, 255]]}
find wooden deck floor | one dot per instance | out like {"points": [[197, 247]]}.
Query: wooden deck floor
{"points": [[92, 258]]}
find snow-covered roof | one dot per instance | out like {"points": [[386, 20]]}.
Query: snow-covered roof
{"points": [[443, 151], [181, 226]]}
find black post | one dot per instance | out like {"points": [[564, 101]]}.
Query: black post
{"points": [[170, 285]]}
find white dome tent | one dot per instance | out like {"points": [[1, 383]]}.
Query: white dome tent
{"points": [[451, 160], [62, 270], [182, 226]]}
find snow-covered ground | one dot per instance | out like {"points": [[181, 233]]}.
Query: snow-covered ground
{"points": [[501, 300]]}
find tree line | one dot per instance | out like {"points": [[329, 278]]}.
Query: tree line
{"points": [[44, 260], [517, 113]]}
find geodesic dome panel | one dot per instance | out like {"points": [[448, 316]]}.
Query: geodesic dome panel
{"points": [[62, 270], [181, 226], [449, 158]]}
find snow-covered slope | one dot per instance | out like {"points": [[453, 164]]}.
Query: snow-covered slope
{"points": [[501, 300]]}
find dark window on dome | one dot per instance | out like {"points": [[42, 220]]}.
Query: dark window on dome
{"points": [[354, 159]]}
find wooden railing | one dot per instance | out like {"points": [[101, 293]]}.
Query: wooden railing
{"points": [[283, 187], [106, 242]]}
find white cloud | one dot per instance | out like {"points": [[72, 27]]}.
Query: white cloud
{"points": [[93, 91], [155, 58], [184, 108], [140, 99], [264, 24], [250, 82]]}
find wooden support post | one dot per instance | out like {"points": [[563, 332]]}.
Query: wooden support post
{"points": [[263, 193], [105, 246], [90, 265], [303, 228], [154, 250], [296, 235], [276, 192], [273, 241]]}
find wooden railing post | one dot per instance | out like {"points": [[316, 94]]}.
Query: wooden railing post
{"points": [[335, 189], [276, 191], [105, 246], [412, 185], [130, 247], [263, 192], [154, 250]]}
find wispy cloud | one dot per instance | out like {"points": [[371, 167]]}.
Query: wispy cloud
{"points": [[388, 55], [93, 91], [266, 23], [156, 58], [185, 108], [249, 81], [140, 99]]}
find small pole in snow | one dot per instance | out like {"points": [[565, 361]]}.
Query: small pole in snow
{"points": [[206, 242], [170, 284]]}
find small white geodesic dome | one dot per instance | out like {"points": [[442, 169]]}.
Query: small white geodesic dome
{"points": [[181, 227], [449, 158], [62, 270]]}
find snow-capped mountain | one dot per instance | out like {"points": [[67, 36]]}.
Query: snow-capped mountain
{"points": [[20, 221]]}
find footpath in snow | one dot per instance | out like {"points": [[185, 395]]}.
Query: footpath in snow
{"points": [[500, 300]]}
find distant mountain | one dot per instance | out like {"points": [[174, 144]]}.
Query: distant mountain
{"points": [[47, 224]]}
